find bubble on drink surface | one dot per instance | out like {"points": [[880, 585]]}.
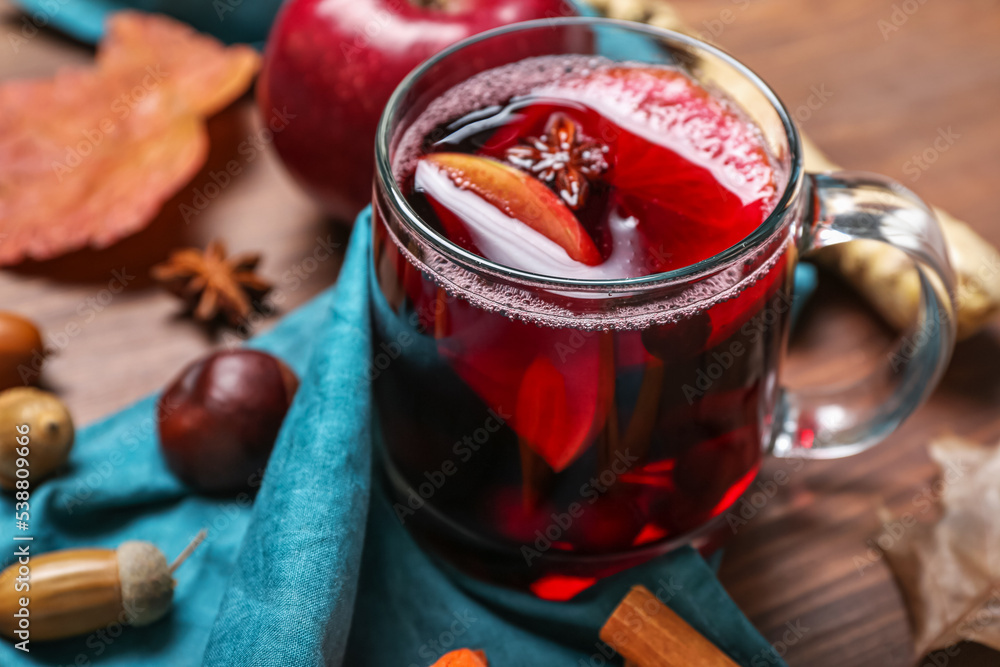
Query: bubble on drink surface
{"points": [[540, 303]]}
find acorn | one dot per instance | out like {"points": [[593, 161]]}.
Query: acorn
{"points": [[47, 440], [77, 591]]}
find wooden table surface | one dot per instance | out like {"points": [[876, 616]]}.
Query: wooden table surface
{"points": [[873, 96]]}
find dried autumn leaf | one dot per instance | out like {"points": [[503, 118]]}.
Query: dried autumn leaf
{"points": [[74, 173], [92, 154], [949, 571], [202, 71]]}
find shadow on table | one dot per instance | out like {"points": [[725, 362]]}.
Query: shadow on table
{"points": [[965, 654], [974, 372]]}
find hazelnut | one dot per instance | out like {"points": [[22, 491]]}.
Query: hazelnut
{"points": [[49, 433]]}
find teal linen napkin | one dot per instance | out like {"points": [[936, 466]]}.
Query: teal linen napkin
{"points": [[246, 21], [411, 608], [308, 574], [230, 20]]}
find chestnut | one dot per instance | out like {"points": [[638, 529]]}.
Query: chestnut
{"points": [[219, 419]]}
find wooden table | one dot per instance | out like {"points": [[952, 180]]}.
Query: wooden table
{"points": [[872, 99]]}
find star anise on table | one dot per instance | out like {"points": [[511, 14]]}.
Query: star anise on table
{"points": [[215, 286], [563, 157]]}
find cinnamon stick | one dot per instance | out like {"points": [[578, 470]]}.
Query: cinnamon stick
{"points": [[536, 476], [640, 427], [643, 421], [647, 633], [608, 440]]}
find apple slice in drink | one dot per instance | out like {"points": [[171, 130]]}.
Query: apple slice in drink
{"points": [[557, 399], [503, 213]]}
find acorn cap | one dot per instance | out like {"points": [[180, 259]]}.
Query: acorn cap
{"points": [[146, 583]]}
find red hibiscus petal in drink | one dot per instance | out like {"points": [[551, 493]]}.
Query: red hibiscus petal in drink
{"points": [[685, 165], [530, 121], [476, 189], [657, 176], [759, 306], [490, 353], [557, 382], [544, 418], [631, 351], [670, 240], [656, 107], [678, 340]]}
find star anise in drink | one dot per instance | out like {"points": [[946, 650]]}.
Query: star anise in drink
{"points": [[564, 158]]}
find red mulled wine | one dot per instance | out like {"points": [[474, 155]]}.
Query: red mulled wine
{"points": [[541, 451]]}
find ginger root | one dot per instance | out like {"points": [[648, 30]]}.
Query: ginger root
{"points": [[888, 280], [881, 274]]}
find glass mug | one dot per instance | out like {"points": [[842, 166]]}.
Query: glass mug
{"points": [[666, 385]]}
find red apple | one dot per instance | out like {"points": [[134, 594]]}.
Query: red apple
{"points": [[331, 65]]}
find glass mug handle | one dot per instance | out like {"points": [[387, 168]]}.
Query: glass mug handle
{"points": [[851, 206]]}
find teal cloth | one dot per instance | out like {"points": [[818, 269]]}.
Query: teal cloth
{"points": [[232, 21], [313, 572]]}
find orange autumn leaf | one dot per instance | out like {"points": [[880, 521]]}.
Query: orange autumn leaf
{"points": [[90, 155], [463, 657], [206, 74], [74, 173]]}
